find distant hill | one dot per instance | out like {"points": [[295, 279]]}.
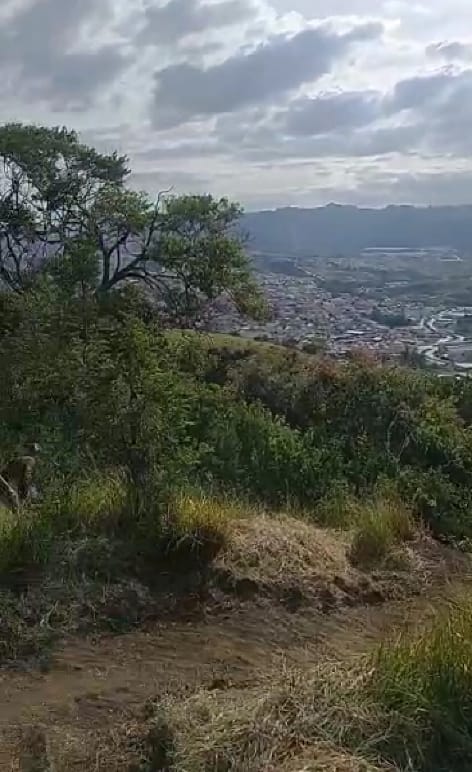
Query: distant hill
{"points": [[337, 229]]}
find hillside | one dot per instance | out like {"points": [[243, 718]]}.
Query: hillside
{"points": [[208, 548], [337, 229]]}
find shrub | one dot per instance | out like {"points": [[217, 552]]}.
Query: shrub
{"points": [[338, 509]]}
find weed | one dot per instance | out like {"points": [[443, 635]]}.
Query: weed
{"points": [[339, 509]]}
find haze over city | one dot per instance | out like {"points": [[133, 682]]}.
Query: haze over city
{"points": [[274, 103]]}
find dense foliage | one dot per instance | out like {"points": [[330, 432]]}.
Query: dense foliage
{"points": [[60, 199], [102, 386], [100, 380]]}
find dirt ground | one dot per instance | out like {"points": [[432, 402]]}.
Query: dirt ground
{"points": [[103, 683], [96, 688]]}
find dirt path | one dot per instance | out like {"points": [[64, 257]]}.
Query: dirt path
{"points": [[99, 681]]}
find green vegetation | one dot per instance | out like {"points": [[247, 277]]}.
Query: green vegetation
{"points": [[131, 414], [425, 681], [380, 526], [154, 438]]}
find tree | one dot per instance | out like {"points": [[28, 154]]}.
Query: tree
{"points": [[63, 203]]}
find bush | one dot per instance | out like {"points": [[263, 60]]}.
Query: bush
{"points": [[248, 449]]}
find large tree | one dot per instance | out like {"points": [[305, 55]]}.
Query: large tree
{"points": [[61, 200]]}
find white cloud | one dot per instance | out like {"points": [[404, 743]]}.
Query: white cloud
{"points": [[269, 101]]}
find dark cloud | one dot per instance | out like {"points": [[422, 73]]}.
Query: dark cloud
{"points": [[429, 115], [271, 147], [450, 51], [283, 63], [416, 93], [35, 48], [441, 106], [331, 112], [169, 23]]}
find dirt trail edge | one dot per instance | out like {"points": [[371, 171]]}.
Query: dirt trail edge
{"points": [[132, 668]]}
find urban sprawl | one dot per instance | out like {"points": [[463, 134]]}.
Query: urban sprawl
{"points": [[394, 302]]}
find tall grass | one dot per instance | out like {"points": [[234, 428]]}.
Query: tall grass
{"points": [[426, 683], [380, 525], [94, 500], [88, 506], [197, 524]]}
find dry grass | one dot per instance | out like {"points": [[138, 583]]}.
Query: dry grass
{"points": [[294, 721], [299, 563], [407, 708], [270, 548], [197, 526], [199, 512]]}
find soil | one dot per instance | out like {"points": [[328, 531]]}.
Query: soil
{"points": [[91, 689]]}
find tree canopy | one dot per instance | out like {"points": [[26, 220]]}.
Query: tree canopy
{"points": [[65, 206]]}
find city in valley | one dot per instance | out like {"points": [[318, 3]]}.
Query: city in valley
{"points": [[410, 304]]}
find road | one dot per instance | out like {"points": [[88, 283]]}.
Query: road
{"points": [[432, 351]]}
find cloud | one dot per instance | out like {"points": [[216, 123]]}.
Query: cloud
{"points": [[422, 115], [273, 68], [169, 23], [419, 91], [435, 188], [332, 111], [40, 49], [450, 51], [264, 100]]}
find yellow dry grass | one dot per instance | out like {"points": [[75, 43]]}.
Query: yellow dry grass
{"points": [[273, 547]]}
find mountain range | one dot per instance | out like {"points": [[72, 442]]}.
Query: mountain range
{"points": [[339, 229]]}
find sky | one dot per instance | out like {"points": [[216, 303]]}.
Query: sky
{"points": [[269, 102]]}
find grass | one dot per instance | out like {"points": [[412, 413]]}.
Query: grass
{"points": [[25, 540], [406, 708], [381, 525], [28, 537], [197, 525], [223, 340], [339, 509], [90, 502], [427, 682], [272, 725], [280, 549]]}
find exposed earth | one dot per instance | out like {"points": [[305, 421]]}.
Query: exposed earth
{"points": [[87, 711]]}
